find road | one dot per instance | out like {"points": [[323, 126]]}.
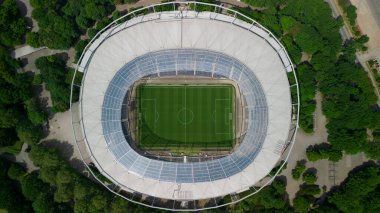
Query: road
{"points": [[374, 6]]}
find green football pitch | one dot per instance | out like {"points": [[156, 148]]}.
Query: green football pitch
{"points": [[185, 118]]}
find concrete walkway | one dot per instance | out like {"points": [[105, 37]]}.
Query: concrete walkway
{"points": [[329, 173], [25, 50], [23, 158], [303, 141], [61, 137]]}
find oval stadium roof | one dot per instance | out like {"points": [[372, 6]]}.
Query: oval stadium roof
{"points": [[195, 42]]}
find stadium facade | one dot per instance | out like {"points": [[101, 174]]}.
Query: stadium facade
{"points": [[183, 41]]}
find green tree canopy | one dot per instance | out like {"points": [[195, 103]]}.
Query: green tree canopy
{"points": [[32, 187], [12, 26]]}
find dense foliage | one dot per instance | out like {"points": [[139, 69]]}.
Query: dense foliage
{"points": [[358, 193], [67, 186], [349, 12], [309, 177], [272, 198], [298, 170], [61, 22], [56, 76], [348, 97], [11, 197], [12, 26], [323, 151], [19, 113]]}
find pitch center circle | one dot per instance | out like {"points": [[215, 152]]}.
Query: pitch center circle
{"points": [[185, 116]]}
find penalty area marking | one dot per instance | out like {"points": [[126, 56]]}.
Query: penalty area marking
{"points": [[227, 117]]}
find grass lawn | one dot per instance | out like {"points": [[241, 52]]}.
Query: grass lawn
{"points": [[186, 118]]}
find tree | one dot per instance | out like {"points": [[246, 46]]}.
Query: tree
{"points": [[94, 12], [10, 197], [309, 40], [33, 39], [119, 205], [48, 174], [84, 189], [9, 117], [309, 189], [287, 23], [309, 177], [352, 194], [92, 32], [29, 133], [351, 14], [302, 203], [8, 137], [44, 203], [79, 47], [35, 114], [298, 170], [372, 150], [98, 203], [45, 157], [116, 15], [16, 172], [37, 80], [12, 26], [307, 85], [32, 187], [64, 192], [54, 73], [273, 197], [83, 22], [323, 151]]}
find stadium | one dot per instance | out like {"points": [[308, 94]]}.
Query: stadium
{"points": [[185, 106]]}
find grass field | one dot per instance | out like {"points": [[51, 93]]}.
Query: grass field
{"points": [[185, 118]]}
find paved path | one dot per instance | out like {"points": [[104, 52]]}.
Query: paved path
{"points": [[304, 140], [23, 158], [374, 6], [24, 51], [329, 174], [61, 137]]}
